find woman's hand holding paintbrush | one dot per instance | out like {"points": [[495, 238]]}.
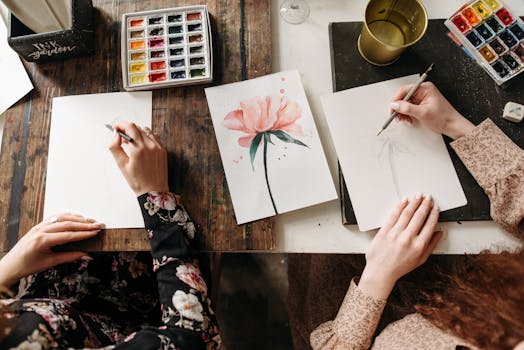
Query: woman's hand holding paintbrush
{"points": [[143, 162], [430, 107]]}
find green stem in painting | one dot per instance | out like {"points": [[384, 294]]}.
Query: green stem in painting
{"points": [[266, 136]]}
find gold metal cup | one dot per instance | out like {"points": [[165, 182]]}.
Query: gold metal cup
{"points": [[390, 27]]}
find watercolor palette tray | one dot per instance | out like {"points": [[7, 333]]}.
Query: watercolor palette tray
{"points": [[166, 47], [492, 35]]}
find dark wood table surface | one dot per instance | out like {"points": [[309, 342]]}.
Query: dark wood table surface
{"points": [[242, 50]]}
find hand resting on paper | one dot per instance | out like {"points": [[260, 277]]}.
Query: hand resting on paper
{"points": [[404, 242], [143, 162], [34, 251], [432, 109]]}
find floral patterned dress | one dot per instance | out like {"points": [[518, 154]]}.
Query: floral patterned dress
{"points": [[121, 300]]}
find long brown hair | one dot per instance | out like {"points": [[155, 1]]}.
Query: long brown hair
{"points": [[478, 298]]}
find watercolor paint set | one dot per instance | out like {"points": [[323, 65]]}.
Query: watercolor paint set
{"points": [[166, 47], [492, 35]]}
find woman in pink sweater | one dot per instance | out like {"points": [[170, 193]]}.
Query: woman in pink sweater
{"points": [[479, 305]]}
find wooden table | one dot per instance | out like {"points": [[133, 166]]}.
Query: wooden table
{"points": [[242, 45]]}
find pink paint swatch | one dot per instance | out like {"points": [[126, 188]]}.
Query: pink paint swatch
{"points": [[193, 16], [156, 42]]}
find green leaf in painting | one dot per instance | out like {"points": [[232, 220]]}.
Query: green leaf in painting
{"points": [[267, 137], [284, 136], [254, 147]]}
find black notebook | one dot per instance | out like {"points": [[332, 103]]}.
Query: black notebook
{"points": [[459, 78]]}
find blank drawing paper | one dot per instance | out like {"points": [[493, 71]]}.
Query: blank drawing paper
{"points": [[15, 83], [270, 149], [82, 176], [403, 160]]}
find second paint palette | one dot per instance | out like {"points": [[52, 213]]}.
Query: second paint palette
{"points": [[166, 47], [492, 35]]}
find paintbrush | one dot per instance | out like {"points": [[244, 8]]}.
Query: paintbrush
{"points": [[407, 97], [122, 135]]}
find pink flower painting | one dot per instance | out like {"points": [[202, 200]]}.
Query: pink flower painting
{"points": [[260, 118]]}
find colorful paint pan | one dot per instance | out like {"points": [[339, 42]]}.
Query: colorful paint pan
{"points": [[158, 65], [155, 43], [508, 38], [196, 49], [519, 52], [139, 79], [494, 5], [194, 27], [501, 69], [461, 23], [137, 45], [517, 30], [137, 22], [471, 16], [156, 31], [505, 16], [178, 63], [492, 35], [485, 31], [196, 61], [494, 23], [481, 9], [167, 47], [157, 54], [157, 77], [155, 20], [512, 61], [176, 40], [474, 38], [196, 38], [176, 51], [498, 46], [178, 74], [175, 18], [138, 56], [194, 16], [137, 34], [137, 67], [488, 53], [198, 72]]}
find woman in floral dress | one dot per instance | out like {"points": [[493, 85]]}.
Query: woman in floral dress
{"points": [[112, 301]]}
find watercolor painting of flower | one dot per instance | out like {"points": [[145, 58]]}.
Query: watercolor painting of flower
{"points": [[261, 118]]}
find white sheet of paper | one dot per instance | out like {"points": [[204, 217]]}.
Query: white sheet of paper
{"points": [[82, 176], [298, 176], [403, 160], [15, 83]]}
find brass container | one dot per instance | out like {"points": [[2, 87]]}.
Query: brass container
{"points": [[390, 27]]}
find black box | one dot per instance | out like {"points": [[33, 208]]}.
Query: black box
{"points": [[73, 42]]}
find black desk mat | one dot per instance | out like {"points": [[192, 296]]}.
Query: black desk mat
{"points": [[462, 81]]}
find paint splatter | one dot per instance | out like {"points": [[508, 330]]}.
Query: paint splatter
{"points": [[283, 79], [282, 91]]}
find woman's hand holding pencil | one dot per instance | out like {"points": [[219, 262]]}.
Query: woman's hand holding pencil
{"points": [[430, 107]]}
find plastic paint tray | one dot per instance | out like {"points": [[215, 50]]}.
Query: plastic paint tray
{"points": [[166, 47], [492, 35]]}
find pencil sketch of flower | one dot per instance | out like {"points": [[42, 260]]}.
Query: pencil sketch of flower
{"points": [[389, 149], [261, 118]]}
